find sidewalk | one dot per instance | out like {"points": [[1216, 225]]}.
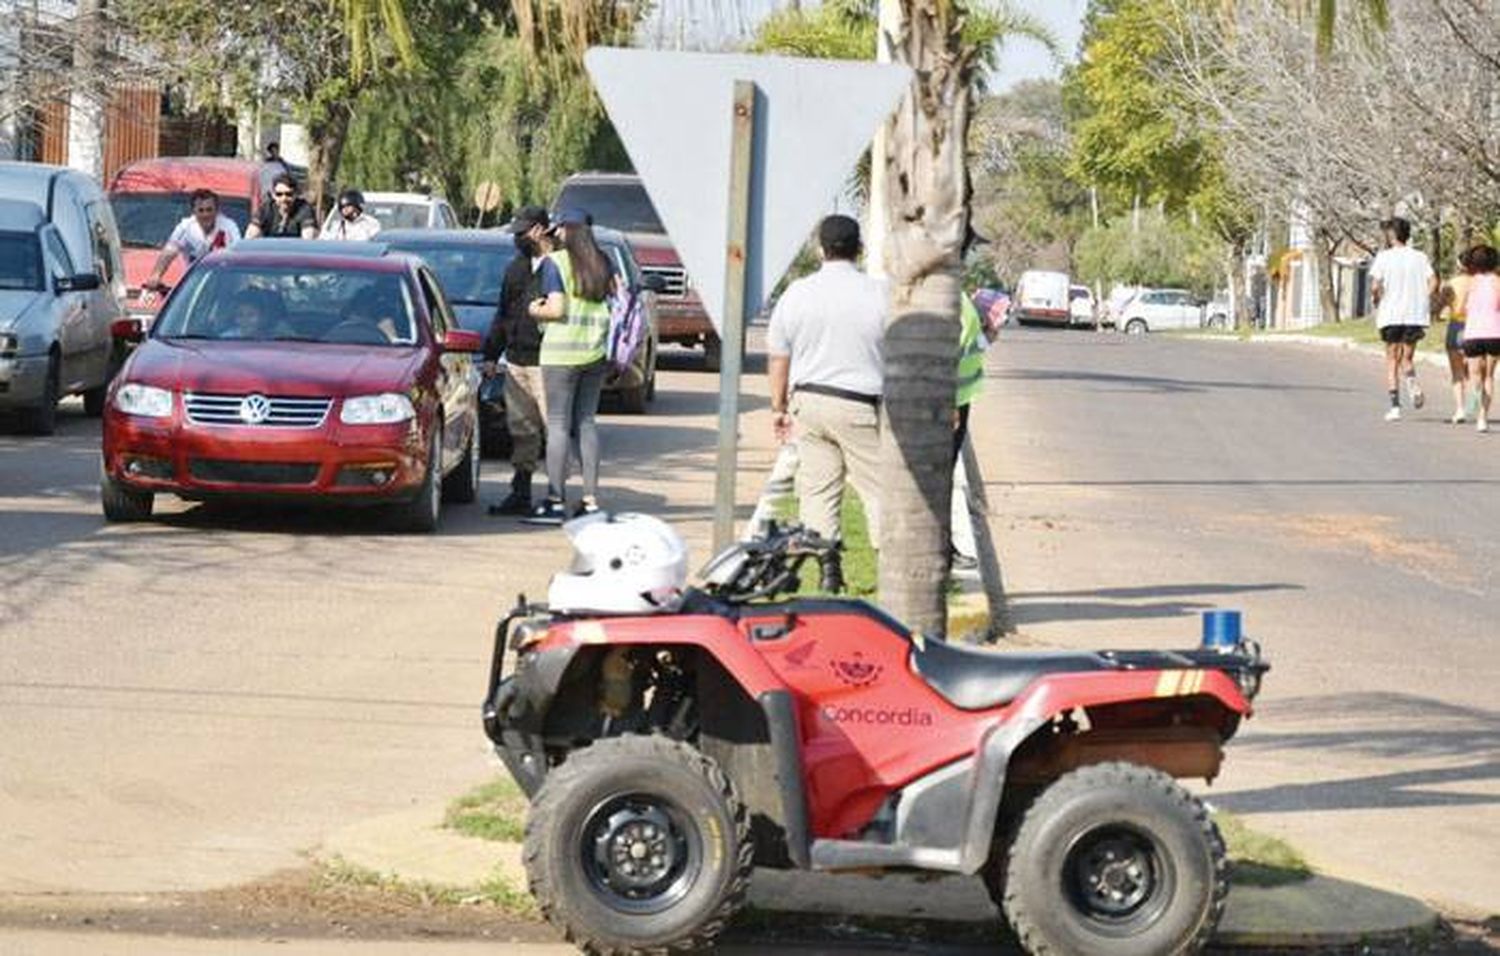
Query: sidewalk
{"points": [[1321, 911]]}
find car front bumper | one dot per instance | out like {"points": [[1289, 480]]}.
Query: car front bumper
{"points": [[336, 462], [23, 378]]}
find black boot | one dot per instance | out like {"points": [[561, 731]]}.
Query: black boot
{"points": [[518, 502], [833, 573]]}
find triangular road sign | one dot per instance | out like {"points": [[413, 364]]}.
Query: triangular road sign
{"points": [[674, 114]]}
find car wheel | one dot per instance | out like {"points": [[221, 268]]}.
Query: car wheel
{"points": [[1115, 859], [462, 486], [638, 844], [632, 400], [122, 503], [41, 418], [651, 376], [713, 353], [1135, 327], [420, 515]]}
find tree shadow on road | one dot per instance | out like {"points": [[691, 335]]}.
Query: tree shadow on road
{"points": [[1156, 383], [1043, 607]]}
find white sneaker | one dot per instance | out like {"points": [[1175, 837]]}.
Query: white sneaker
{"points": [[1394, 415], [1481, 426], [1418, 397], [1458, 418]]}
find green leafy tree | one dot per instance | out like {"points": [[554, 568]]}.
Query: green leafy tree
{"points": [[319, 56]]}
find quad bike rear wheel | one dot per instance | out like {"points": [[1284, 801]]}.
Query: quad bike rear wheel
{"points": [[1115, 859], [638, 845]]}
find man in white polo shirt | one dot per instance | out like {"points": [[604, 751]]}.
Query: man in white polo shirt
{"points": [[1403, 283], [827, 373], [195, 236]]}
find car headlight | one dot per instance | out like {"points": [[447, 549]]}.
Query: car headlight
{"points": [[383, 409], [132, 398]]}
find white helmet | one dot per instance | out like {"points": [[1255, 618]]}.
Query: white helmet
{"points": [[622, 564]]}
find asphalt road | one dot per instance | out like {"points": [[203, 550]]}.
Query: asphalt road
{"points": [[196, 701], [1139, 481]]}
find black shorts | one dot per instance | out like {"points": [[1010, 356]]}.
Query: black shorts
{"points": [[1474, 348], [1455, 338], [1405, 334]]}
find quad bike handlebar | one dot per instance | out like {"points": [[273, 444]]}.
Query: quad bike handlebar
{"points": [[767, 566]]}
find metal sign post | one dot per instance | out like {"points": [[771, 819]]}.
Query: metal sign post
{"points": [[732, 332]]}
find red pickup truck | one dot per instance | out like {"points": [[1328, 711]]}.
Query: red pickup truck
{"points": [[619, 201]]}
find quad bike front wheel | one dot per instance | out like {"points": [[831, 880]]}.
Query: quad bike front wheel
{"points": [[636, 845], [1115, 859]]}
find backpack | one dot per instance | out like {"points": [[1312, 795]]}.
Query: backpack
{"points": [[627, 329]]}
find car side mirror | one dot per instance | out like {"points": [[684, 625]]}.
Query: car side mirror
{"points": [[654, 283], [462, 340], [82, 282], [127, 330]]}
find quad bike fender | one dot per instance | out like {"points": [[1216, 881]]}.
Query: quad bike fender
{"points": [[1060, 693], [517, 705], [947, 819]]}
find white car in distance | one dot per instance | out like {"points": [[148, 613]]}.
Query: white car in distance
{"points": [[1153, 310], [405, 211]]}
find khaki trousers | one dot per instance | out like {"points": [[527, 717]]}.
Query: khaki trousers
{"points": [[837, 439], [525, 414]]}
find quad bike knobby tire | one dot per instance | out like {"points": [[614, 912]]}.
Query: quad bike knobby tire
{"points": [[638, 845], [1115, 859]]}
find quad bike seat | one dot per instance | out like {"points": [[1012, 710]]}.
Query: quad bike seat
{"points": [[974, 679]]}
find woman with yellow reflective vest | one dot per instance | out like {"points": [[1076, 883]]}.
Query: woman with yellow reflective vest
{"points": [[972, 339], [576, 283]]}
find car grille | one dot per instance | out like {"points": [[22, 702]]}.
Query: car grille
{"points": [[253, 472], [208, 409], [674, 276]]}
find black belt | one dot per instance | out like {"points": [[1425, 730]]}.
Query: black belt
{"points": [[833, 392]]}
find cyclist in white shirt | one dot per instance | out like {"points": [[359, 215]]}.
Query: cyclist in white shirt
{"points": [[352, 221], [195, 237]]}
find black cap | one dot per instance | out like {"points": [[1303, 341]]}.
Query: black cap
{"points": [[526, 217], [839, 236]]}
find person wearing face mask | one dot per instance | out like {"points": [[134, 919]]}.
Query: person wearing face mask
{"points": [[352, 221], [516, 335]]}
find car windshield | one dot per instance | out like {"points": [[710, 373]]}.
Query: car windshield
{"points": [[147, 219], [621, 205], [399, 215], [469, 274], [302, 304], [20, 261]]}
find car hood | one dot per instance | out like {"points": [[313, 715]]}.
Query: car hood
{"points": [[274, 368], [16, 304]]}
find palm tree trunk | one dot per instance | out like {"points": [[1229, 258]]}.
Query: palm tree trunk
{"points": [[927, 202]]}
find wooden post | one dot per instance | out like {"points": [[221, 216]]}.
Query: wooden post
{"points": [[741, 156]]}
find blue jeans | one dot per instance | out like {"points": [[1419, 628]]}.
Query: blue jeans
{"points": [[572, 401]]}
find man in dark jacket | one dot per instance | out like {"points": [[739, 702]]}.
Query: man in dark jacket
{"points": [[515, 334]]}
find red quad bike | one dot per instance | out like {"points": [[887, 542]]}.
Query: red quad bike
{"points": [[674, 743]]}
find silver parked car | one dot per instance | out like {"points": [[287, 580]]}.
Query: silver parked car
{"points": [[61, 292]]}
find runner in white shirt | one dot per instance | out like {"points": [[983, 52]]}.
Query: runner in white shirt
{"points": [[352, 222], [195, 237], [1403, 286]]}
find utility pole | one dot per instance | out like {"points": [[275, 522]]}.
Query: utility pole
{"points": [[889, 24]]}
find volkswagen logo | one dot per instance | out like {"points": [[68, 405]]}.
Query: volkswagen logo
{"points": [[255, 409]]}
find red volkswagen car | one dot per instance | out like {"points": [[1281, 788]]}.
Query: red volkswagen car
{"points": [[287, 369]]}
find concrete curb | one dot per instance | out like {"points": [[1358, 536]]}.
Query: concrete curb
{"points": [[1318, 912], [1324, 341]]}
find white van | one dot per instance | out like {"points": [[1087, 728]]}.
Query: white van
{"points": [[43, 359], [1042, 297]]}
